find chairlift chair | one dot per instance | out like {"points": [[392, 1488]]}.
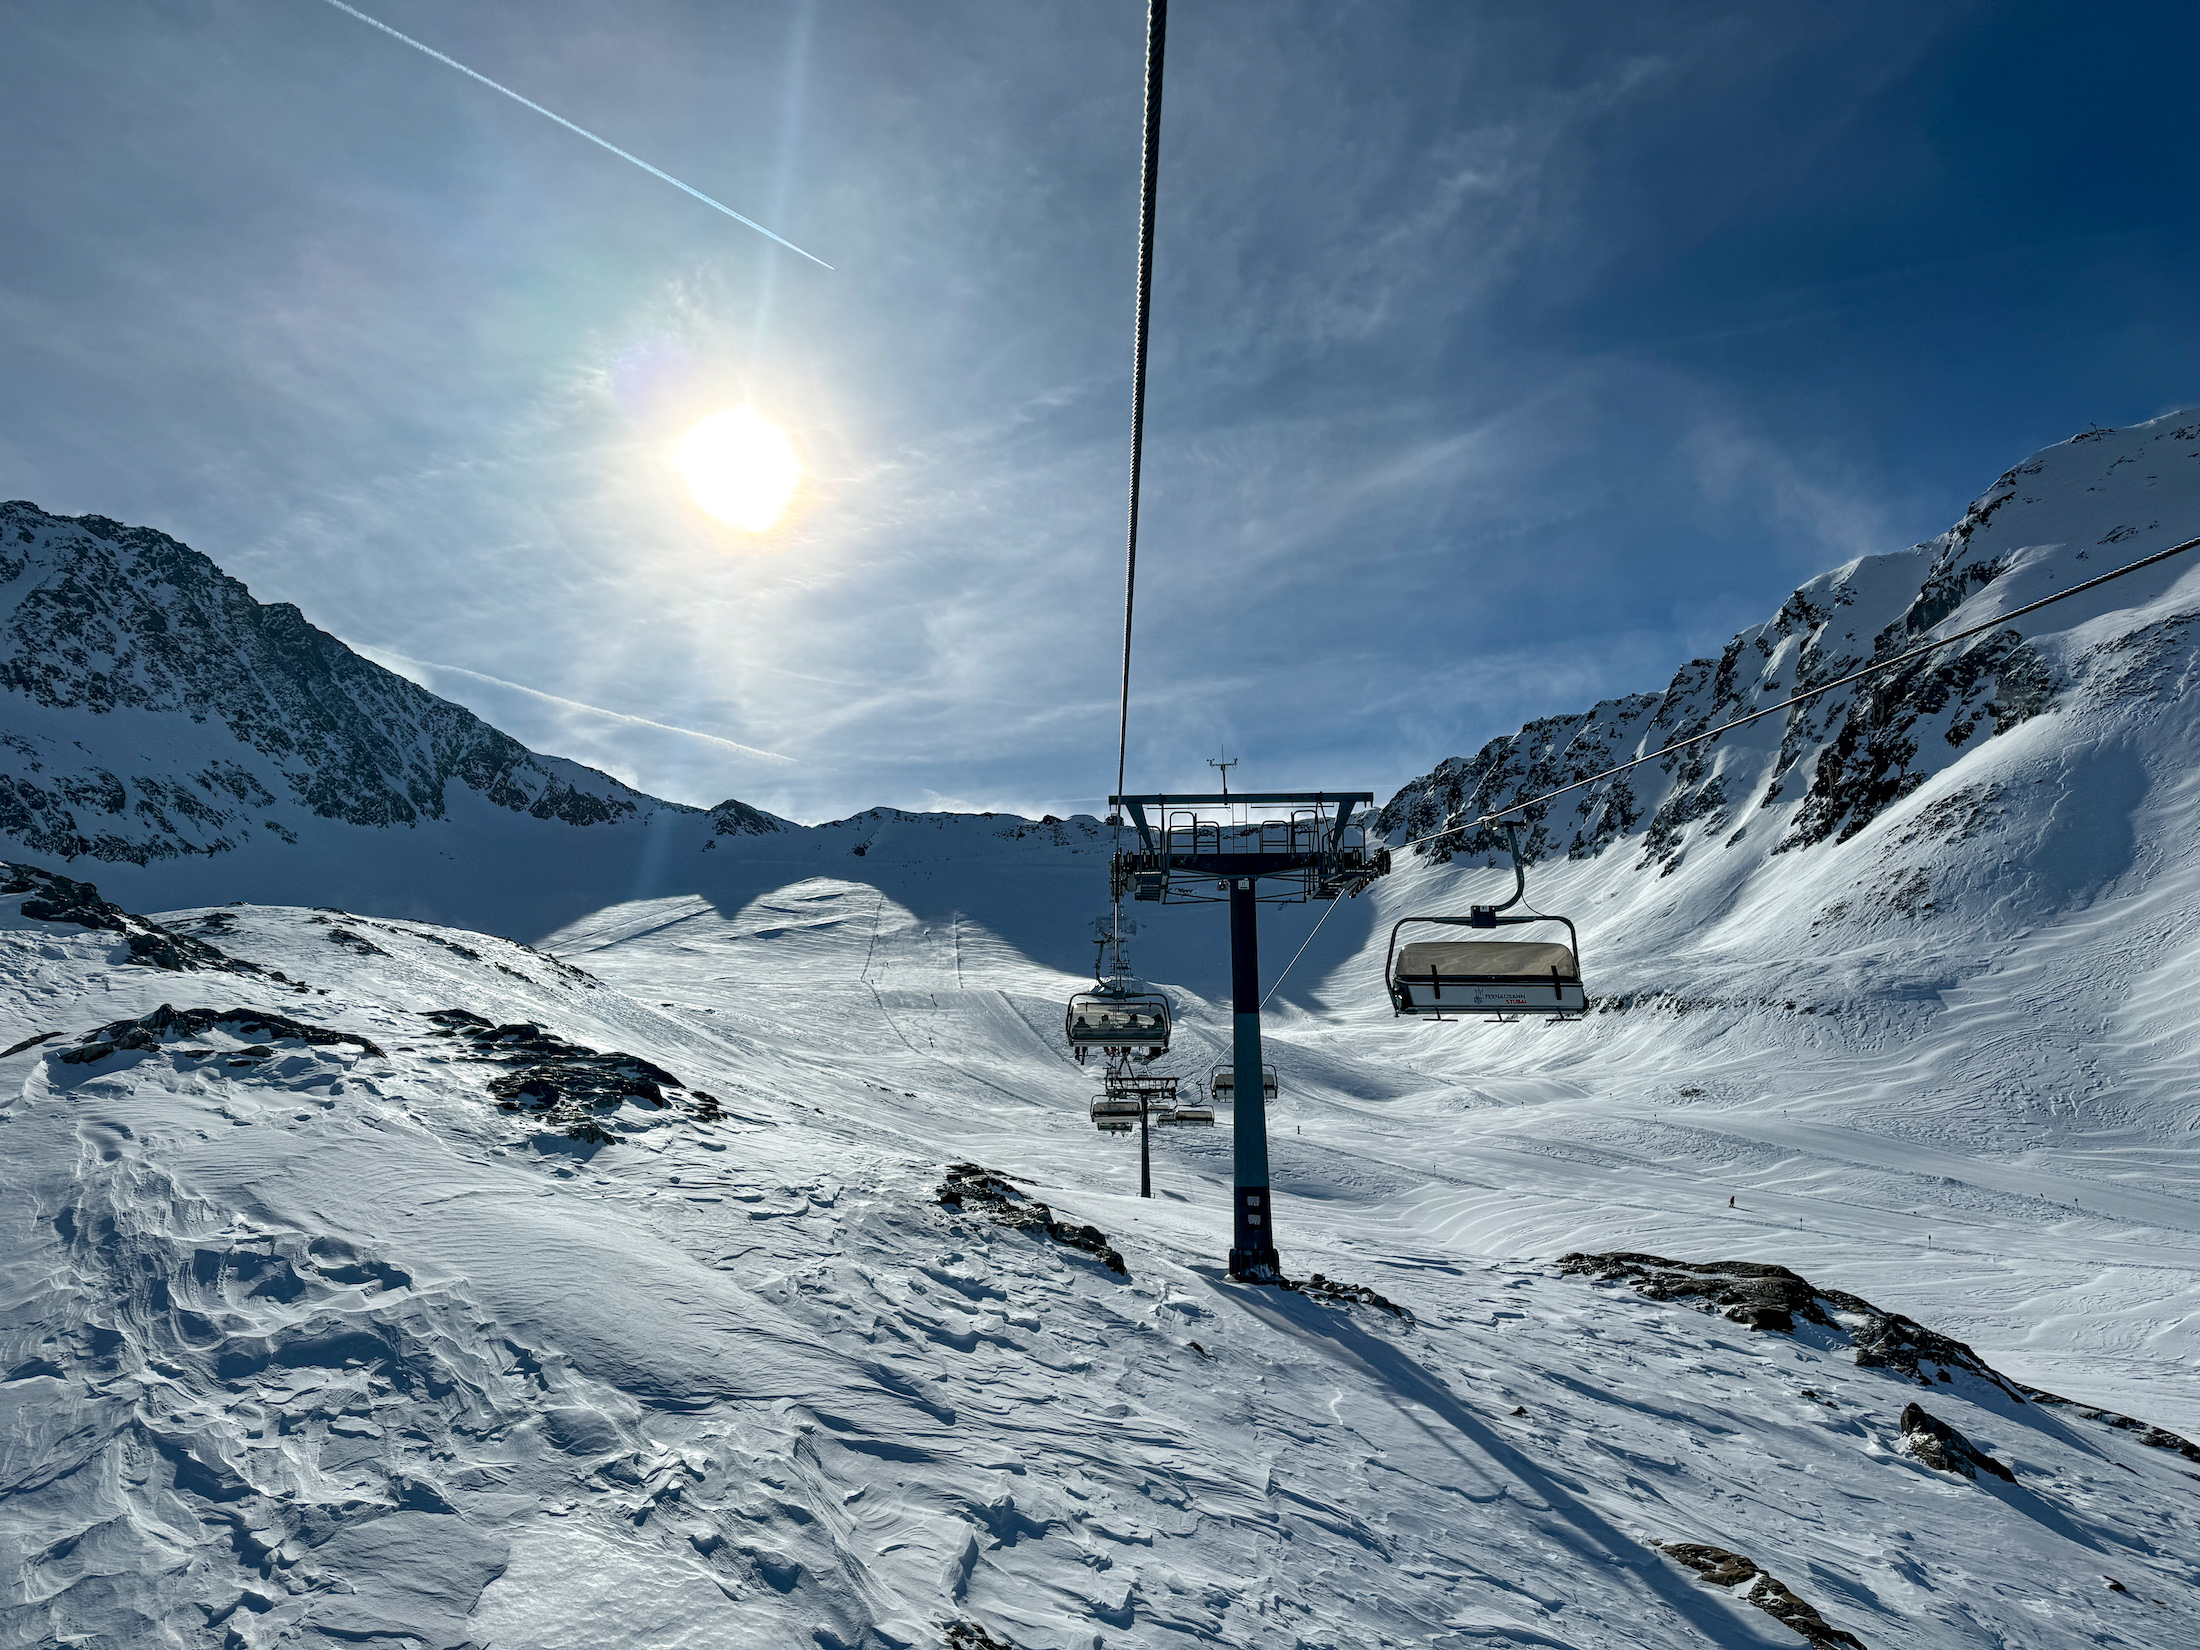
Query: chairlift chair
{"points": [[1118, 1016], [1114, 1114], [1203, 1116], [1492, 978], [1222, 1084]]}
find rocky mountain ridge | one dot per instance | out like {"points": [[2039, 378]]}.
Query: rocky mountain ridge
{"points": [[257, 715], [193, 743], [1829, 767]]}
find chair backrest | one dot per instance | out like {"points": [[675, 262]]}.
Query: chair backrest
{"points": [[1486, 959]]}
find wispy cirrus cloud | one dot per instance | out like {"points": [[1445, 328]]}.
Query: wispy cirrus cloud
{"points": [[1503, 356]]}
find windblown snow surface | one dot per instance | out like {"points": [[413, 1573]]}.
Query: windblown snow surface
{"points": [[317, 1343]]}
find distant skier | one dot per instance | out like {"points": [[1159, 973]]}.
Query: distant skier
{"points": [[1730, 1203]]}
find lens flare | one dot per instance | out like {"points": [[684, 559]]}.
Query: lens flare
{"points": [[741, 468]]}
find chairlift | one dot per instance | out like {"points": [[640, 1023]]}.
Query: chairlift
{"points": [[1203, 1116], [1490, 979], [1222, 1084], [1114, 1114], [1119, 1016]]}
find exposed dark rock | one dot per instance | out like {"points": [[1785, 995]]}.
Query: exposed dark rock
{"points": [[466, 951], [28, 1042], [1772, 1298], [2153, 1437], [735, 818], [604, 1080], [968, 1635], [562, 1083], [166, 1024], [63, 899], [1330, 1289], [1937, 1444], [455, 1019], [968, 1186], [1720, 1568], [1358, 1294]]}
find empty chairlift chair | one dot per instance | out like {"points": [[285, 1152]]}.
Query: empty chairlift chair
{"points": [[1118, 1016], [1222, 1084], [1486, 977], [1492, 978]]}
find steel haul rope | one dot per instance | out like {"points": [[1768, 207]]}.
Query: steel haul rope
{"points": [[1157, 28]]}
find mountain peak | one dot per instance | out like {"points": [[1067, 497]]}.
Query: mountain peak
{"points": [[1827, 768], [245, 718]]}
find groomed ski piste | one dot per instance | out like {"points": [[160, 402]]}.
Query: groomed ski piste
{"points": [[464, 1332]]}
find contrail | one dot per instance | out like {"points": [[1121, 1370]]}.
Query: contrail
{"points": [[582, 130], [378, 654]]}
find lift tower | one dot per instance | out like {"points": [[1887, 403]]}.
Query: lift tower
{"points": [[1273, 847]]}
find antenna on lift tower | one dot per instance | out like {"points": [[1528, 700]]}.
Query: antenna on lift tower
{"points": [[1223, 768]]}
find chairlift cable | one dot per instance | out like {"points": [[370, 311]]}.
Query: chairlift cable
{"points": [[1296, 955], [1451, 824], [1157, 23]]}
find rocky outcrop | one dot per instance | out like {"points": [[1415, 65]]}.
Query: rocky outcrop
{"points": [[63, 899], [1742, 1577], [1772, 1298], [969, 1188], [735, 818], [563, 1084], [2146, 1432], [1944, 1449], [168, 1025]]}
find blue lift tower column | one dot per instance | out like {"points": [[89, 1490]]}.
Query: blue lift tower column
{"points": [[1277, 847], [1254, 1250]]}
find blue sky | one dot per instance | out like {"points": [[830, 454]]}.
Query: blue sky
{"points": [[1505, 356]]}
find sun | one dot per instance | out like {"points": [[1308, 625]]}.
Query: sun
{"points": [[741, 468]]}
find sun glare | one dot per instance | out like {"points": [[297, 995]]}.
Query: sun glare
{"points": [[741, 468]]}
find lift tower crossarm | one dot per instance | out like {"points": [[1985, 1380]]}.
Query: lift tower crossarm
{"points": [[1175, 862], [1341, 800]]}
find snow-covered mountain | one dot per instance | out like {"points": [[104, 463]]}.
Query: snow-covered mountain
{"points": [[732, 1265], [166, 729], [1829, 768], [170, 737]]}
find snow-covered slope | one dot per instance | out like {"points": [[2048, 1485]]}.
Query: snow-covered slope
{"points": [[313, 1338], [314, 1343], [1908, 975]]}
